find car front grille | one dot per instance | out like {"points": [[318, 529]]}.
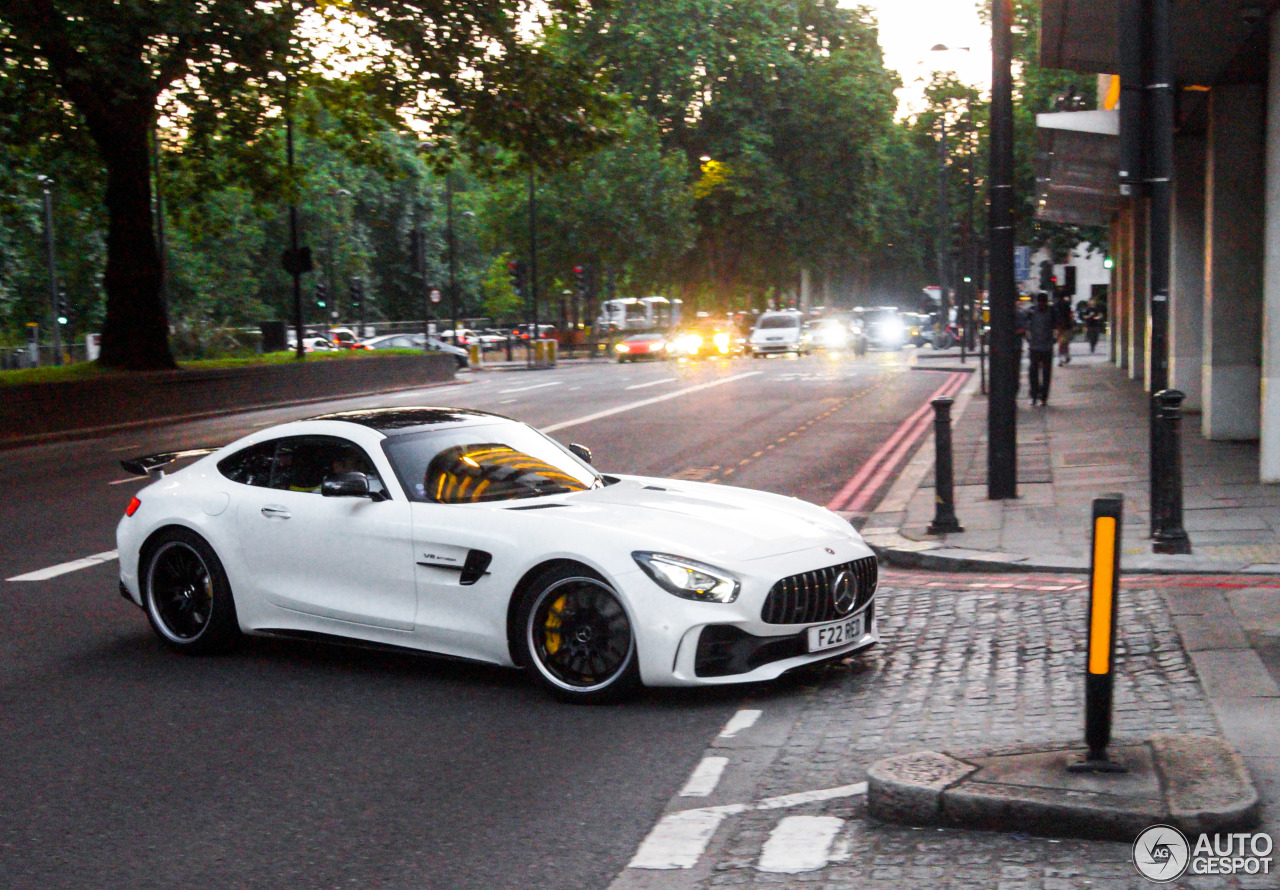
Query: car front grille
{"points": [[807, 598]]}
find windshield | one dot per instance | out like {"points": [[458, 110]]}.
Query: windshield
{"points": [[779, 321], [487, 462]]}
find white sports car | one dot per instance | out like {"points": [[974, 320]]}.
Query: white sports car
{"points": [[469, 534]]}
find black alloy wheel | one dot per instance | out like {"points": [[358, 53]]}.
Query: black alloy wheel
{"points": [[577, 638], [187, 596]]}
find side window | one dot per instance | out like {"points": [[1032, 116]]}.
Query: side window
{"points": [[303, 462], [250, 466]]}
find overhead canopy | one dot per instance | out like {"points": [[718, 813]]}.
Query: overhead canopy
{"points": [[1208, 35], [1077, 167]]}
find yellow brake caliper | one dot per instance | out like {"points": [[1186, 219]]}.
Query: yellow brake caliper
{"points": [[551, 627]]}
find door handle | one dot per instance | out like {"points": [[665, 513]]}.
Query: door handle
{"points": [[273, 512]]}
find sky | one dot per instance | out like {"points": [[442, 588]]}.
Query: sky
{"points": [[908, 30]]}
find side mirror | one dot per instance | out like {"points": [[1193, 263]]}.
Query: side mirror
{"points": [[582, 452], [346, 485]]}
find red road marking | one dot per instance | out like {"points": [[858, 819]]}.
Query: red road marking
{"points": [[862, 487]]}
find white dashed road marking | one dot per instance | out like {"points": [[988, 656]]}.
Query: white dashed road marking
{"points": [[503, 392], [651, 383], [678, 840], [67, 567], [643, 402], [800, 843], [744, 719], [705, 777]]}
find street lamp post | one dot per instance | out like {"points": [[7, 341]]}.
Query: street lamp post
{"points": [[46, 185], [533, 263], [1002, 408], [341, 195]]}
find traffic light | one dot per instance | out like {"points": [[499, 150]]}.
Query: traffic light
{"points": [[320, 296], [357, 293], [1108, 263], [516, 269], [1047, 279], [64, 307], [580, 277]]}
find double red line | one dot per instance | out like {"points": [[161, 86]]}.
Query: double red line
{"points": [[859, 490]]}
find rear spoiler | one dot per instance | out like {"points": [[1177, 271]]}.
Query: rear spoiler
{"points": [[153, 464]]}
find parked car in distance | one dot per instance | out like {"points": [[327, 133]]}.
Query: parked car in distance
{"points": [[417, 341], [635, 347], [776, 333], [313, 344]]}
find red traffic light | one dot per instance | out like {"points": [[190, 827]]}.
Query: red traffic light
{"points": [[578, 270]]}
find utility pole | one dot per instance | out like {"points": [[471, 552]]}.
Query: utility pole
{"points": [[1002, 408]]}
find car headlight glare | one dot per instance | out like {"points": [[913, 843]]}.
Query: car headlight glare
{"points": [[688, 578]]}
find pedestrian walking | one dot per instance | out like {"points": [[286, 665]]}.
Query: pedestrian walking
{"points": [[1041, 331], [1094, 322], [1064, 323]]}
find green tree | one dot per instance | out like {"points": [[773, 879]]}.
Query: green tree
{"points": [[103, 68]]}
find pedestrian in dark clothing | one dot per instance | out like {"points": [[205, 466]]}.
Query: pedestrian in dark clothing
{"points": [[1041, 332], [1094, 322], [1064, 322]]}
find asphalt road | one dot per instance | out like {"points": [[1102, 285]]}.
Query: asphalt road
{"points": [[298, 765]]}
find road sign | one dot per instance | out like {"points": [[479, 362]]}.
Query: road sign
{"points": [[435, 295], [1021, 263]]}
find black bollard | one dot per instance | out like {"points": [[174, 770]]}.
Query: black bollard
{"points": [[1104, 590], [944, 516], [1166, 500]]}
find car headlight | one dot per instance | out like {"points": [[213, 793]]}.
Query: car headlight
{"points": [[687, 578]]}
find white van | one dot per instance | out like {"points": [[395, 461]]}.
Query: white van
{"points": [[777, 332]]}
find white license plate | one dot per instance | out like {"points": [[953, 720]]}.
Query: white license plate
{"points": [[835, 634]]}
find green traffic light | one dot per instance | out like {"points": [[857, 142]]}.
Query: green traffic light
{"points": [[62, 319]]}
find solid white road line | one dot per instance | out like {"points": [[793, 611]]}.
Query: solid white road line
{"points": [[744, 719], [643, 402], [651, 383], [705, 777], [503, 392], [800, 843], [74, 566], [677, 841]]}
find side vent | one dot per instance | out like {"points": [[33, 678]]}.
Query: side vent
{"points": [[475, 568]]}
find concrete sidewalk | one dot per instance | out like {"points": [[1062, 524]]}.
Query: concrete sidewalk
{"points": [[1091, 440]]}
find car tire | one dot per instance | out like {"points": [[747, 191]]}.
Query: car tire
{"points": [[186, 594], [575, 637]]}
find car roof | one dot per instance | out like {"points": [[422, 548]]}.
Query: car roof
{"points": [[399, 421]]}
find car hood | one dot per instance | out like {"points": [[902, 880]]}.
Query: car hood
{"points": [[712, 522]]}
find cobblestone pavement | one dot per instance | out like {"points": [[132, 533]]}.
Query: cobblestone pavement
{"points": [[967, 663]]}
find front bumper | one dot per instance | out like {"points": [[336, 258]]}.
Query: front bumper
{"points": [[724, 650]]}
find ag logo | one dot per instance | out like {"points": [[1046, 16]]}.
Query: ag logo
{"points": [[843, 593], [1161, 853]]}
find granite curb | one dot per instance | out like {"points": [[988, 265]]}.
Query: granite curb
{"points": [[1197, 784]]}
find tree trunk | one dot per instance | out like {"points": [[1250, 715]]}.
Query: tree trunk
{"points": [[135, 335]]}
